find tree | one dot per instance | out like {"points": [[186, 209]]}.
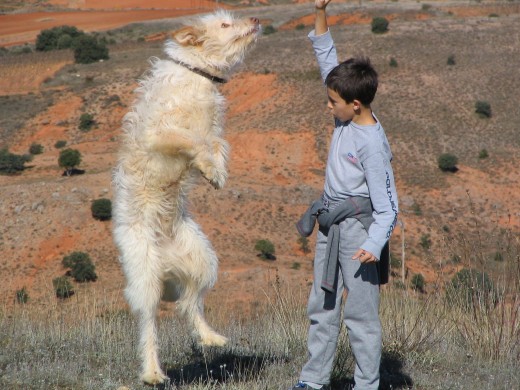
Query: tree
{"points": [[101, 209], [68, 159], [447, 162], [266, 249], [379, 25], [87, 49]]}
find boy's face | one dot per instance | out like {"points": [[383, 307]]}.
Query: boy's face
{"points": [[340, 108]]}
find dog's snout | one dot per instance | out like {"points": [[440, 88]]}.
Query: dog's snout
{"points": [[255, 20]]}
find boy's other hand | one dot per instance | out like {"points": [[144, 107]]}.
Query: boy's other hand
{"points": [[321, 4], [364, 256]]}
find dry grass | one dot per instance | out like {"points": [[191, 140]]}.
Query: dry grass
{"points": [[89, 342]]}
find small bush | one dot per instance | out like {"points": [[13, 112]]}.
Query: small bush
{"points": [[60, 144], [101, 209], [61, 37], [68, 159], [451, 60], [296, 265], [471, 288], [36, 149], [418, 282], [300, 26], [426, 241], [416, 208], [304, 244], [483, 154], [447, 162], [269, 29], [379, 25], [393, 62], [81, 267], [266, 249], [87, 49], [86, 121], [483, 109], [63, 287], [22, 296], [11, 163], [395, 261]]}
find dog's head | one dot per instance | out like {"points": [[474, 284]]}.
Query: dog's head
{"points": [[218, 40]]}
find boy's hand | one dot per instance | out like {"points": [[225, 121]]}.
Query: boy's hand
{"points": [[364, 257], [321, 4]]}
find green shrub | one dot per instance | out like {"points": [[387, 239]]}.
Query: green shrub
{"points": [[483, 109], [300, 26], [395, 261], [304, 244], [87, 49], [426, 241], [471, 288], [36, 148], [451, 60], [269, 29], [11, 163], [296, 265], [418, 282], [416, 208], [483, 154], [22, 296], [62, 287], [81, 267], [393, 62], [447, 162], [101, 209], [61, 37], [60, 144], [379, 25], [266, 249], [86, 121], [68, 159]]}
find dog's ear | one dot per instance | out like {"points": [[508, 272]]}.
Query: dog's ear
{"points": [[187, 36]]}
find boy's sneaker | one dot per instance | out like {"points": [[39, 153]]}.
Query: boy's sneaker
{"points": [[304, 386]]}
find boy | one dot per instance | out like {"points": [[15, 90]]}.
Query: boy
{"points": [[358, 165]]}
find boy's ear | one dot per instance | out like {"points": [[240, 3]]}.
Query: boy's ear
{"points": [[187, 36], [357, 104]]}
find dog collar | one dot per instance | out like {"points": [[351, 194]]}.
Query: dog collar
{"points": [[202, 73]]}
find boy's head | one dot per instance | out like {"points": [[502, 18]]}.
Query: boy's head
{"points": [[354, 79]]}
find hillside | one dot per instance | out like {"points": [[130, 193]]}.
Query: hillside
{"points": [[279, 129]]}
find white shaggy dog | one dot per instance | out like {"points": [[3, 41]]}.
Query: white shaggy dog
{"points": [[172, 135]]}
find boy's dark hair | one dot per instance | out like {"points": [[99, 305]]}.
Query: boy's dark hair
{"points": [[354, 79]]}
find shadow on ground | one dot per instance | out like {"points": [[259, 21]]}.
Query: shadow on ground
{"points": [[223, 368], [392, 375]]}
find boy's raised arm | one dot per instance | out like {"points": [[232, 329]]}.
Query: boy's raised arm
{"points": [[320, 23]]}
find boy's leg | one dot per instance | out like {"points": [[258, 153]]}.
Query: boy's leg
{"points": [[361, 307], [324, 311]]}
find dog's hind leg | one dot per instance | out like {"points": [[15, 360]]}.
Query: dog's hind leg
{"points": [[141, 265], [199, 264]]}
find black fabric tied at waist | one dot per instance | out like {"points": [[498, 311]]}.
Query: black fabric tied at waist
{"points": [[357, 207]]}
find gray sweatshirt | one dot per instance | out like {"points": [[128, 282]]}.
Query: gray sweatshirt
{"points": [[359, 162]]}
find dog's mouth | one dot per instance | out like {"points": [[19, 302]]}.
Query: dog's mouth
{"points": [[254, 30]]}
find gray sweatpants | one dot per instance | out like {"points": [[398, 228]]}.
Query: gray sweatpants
{"points": [[361, 312]]}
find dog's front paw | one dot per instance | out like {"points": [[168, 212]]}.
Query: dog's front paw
{"points": [[216, 179]]}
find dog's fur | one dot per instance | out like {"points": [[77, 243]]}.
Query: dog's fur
{"points": [[172, 135]]}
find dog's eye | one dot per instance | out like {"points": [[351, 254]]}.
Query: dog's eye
{"points": [[225, 25]]}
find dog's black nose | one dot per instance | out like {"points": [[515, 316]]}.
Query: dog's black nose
{"points": [[255, 20]]}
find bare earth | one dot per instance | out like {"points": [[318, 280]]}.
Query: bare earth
{"points": [[277, 127]]}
